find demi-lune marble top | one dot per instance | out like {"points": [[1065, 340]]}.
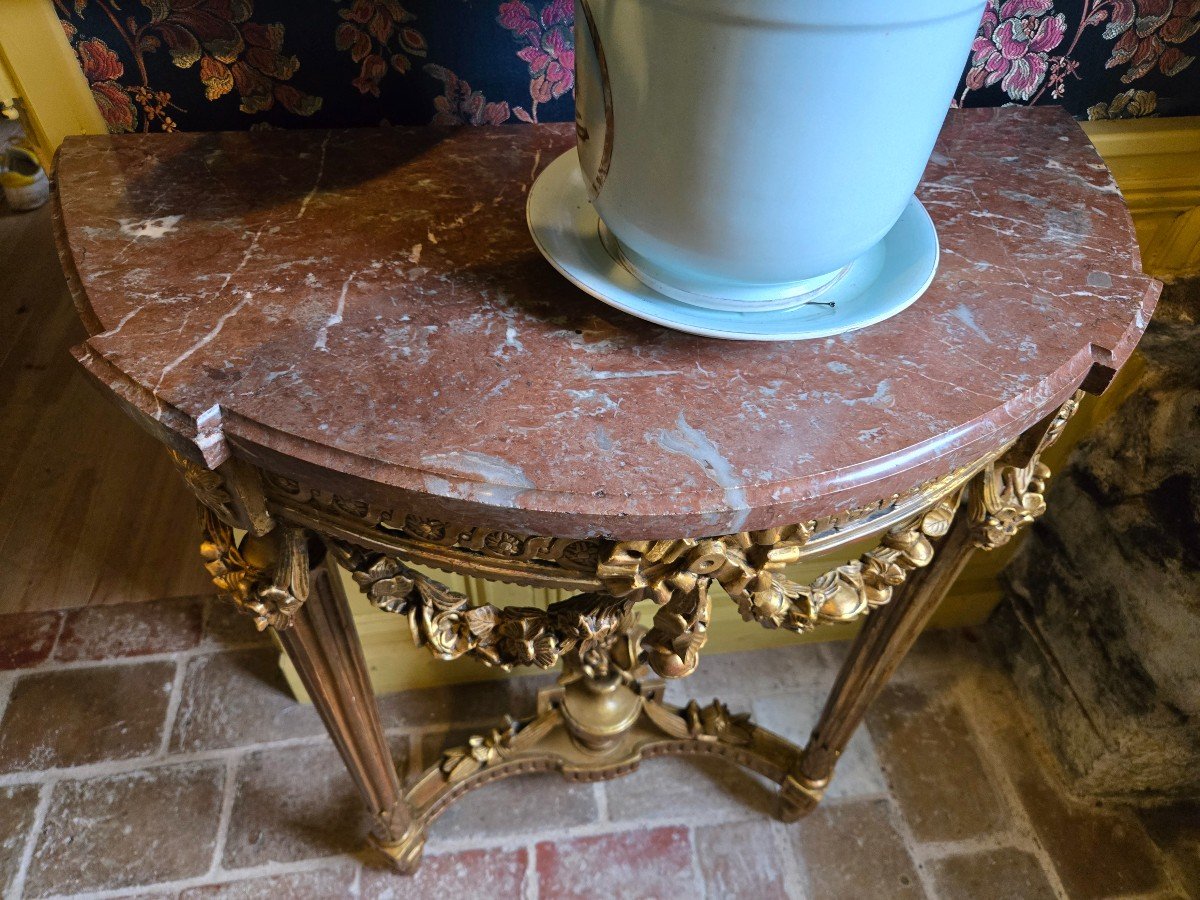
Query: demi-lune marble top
{"points": [[365, 310]]}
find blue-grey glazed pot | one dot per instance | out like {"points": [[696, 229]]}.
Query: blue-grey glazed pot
{"points": [[744, 152]]}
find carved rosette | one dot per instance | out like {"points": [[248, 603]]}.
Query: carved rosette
{"points": [[448, 624], [1004, 498], [266, 579]]}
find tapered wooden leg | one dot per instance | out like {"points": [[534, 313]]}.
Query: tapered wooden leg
{"points": [[323, 644], [887, 635]]}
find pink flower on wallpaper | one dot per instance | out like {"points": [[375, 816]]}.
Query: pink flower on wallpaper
{"points": [[1013, 46], [549, 49]]}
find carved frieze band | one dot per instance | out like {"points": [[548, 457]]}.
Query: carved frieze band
{"points": [[429, 534], [583, 563]]}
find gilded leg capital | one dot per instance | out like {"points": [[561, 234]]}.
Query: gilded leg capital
{"points": [[1008, 494], [263, 577]]}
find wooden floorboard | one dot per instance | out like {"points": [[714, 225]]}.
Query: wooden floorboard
{"points": [[91, 510]]}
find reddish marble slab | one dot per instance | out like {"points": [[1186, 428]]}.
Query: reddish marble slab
{"points": [[366, 310]]}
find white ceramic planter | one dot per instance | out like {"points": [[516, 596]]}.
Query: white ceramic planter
{"points": [[744, 152]]}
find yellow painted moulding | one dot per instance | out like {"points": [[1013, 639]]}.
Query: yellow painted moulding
{"points": [[1156, 163], [38, 65]]}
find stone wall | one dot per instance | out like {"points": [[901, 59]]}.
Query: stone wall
{"points": [[1102, 617]]}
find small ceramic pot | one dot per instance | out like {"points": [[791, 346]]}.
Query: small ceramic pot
{"points": [[743, 153]]}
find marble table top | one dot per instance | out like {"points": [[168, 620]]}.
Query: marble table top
{"points": [[365, 310]]}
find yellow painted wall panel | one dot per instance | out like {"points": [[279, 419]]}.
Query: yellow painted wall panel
{"points": [[41, 68]]}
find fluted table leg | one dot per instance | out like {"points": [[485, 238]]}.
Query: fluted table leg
{"points": [[886, 637], [323, 644]]}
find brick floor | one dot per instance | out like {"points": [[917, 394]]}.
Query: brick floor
{"points": [[238, 698], [627, 865], [934, 770], [293, 803], [792, 715], [166, 759], [854, 849], [26, 639], [490, 874], [76, 716], [1004, 874], [17, 807], [333, 882], [689, 789], [137, 629], [119, 831], [743, 860]]}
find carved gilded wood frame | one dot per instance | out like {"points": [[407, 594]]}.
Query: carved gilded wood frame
{"points": [[605, 716]]}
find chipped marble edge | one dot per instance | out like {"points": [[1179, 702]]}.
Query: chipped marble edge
{"points": [[531, 511]]}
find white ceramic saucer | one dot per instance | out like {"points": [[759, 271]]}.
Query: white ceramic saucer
{"points": [[880, 283]]}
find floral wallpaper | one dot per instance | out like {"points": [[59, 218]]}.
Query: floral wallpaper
{"points": [[159, 65]]}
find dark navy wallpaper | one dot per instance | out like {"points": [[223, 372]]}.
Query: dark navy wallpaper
{"points": [[157, 65]]}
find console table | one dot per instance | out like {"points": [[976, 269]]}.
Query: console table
{"points": [[354, 353]]}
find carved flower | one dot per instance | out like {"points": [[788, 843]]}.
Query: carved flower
{"points": [[715, 721], [356, 508], [582, 554], [206, 484], [768, 605], [425, 529], [448, 633], [503, 543], [883, 569], [273, 607], [1003, 524], [478, 752], [522, 639], [285, 484], [592, 638]]}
